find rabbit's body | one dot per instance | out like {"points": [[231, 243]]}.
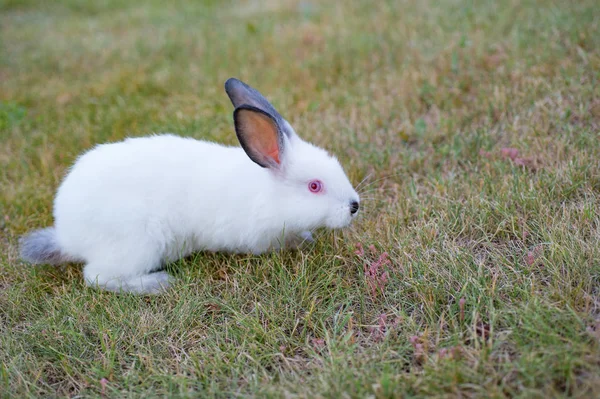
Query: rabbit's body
{"points": [[127, 208], [169, 192]]}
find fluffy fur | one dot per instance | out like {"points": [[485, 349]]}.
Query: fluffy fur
{"points": [[127, 208]]}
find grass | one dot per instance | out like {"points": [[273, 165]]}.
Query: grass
{"points": [[476, 125]]}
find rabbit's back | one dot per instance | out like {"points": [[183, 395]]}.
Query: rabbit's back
{"points": [[145, 169], [155, 187]]}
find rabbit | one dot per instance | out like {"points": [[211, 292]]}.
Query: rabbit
{"points": [[127, 208]]}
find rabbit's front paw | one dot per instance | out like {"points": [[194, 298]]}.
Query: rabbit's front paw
{"points": [[294, 241]]}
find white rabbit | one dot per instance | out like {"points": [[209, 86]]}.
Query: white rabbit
{"points": [[127, 208]]}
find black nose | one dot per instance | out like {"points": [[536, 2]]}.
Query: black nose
{"points": [[353, 207]]}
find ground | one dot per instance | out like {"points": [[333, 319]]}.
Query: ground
{"points": [[472, 271]]}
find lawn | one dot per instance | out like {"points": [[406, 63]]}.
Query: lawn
{"points": [[472, 271]]}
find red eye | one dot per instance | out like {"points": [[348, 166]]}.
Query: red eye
{"points": [[315, 186]]}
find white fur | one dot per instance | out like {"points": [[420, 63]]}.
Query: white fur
{"points": [[127, 208]]}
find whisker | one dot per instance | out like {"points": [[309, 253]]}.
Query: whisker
{"points": [[382, 178], [363, 180], [371, 195], [369, 200], [367, 191]]}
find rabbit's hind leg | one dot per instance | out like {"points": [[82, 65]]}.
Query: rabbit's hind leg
{"points": [[147, 284], [134, 276]]}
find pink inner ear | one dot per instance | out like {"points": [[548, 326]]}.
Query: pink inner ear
{"points": [[262, 134], [273, 152]]}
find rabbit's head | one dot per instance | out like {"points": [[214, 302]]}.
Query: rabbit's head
{"points": [[309, 181]]}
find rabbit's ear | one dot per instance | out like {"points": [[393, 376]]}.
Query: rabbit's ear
{"points": [[260, 135], [240, 93]]}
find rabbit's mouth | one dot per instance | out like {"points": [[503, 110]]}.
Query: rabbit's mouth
{"points": [[343, 216]]}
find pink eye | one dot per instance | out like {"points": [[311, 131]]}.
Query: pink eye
{"points": [[315, 186]]}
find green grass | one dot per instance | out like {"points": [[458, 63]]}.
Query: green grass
{"points": [[494, 274]]}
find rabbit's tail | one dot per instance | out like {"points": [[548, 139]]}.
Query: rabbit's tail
{"points": [[41, 247]]}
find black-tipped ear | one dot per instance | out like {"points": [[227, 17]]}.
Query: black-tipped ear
{"points": [[260, 135], [240, 93]]}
